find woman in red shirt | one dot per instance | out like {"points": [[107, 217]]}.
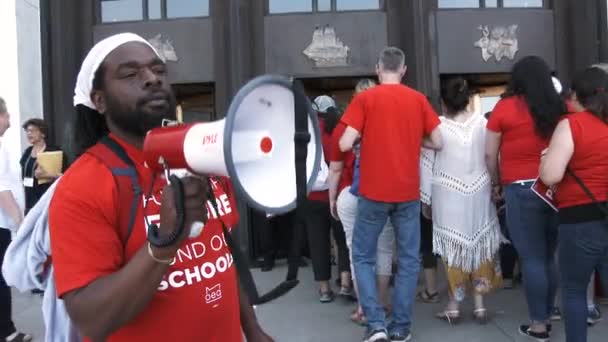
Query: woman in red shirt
{"points": [[577, 163], [519, 129]]}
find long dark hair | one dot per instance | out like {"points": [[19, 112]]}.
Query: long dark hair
{"points": [[89, 124], [531, 79], [590, 87], [455, 94]]}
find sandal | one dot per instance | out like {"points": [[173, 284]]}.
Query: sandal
{"points": [[19, 337], [451, 316], [426, 297], [481, 316], [358, 317]]}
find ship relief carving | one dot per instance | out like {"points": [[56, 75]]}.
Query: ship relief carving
{"points": [[326, 49], [165, 48]]}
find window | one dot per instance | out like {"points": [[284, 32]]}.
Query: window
{"points": [[458, 3], [291, 6], [489, 3], [155, 9], [121, 10], [134, 10], [310, 6], [187, 8], [350, 5], [522, 3], [324, 5]]}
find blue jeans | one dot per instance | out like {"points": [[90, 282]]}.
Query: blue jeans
{"points": [[533, 227], [371, 218], [583, 248]]}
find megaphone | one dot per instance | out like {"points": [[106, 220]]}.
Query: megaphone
{"points": [[253, 145], [268, 144]]}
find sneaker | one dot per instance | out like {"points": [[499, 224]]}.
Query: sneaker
{"points": [[400, 337], [556, 315], [594, 316], [19, 337], [378, 335], [540, 337], [326, 297]]}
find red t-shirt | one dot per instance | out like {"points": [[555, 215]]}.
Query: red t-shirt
{"points": [[322, 196], [589, 161], [348, 158], [521, 146], [198, 298], [392, 119]]}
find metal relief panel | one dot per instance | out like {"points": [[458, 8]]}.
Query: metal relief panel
{"points": [[186, 45], [327, 44], [480, 41]]}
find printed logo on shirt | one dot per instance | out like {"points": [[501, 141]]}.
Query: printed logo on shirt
{"points": [[213, 294], [199, 260]]}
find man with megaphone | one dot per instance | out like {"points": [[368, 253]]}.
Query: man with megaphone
{"points": [[118, 282]]}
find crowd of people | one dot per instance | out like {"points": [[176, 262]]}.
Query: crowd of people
{"points": [[407, 189], [411, 187]]}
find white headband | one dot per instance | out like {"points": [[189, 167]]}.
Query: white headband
{"points": [[99, 52]]}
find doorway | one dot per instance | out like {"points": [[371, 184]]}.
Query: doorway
{"points": [[196, 102], [341, 89]]}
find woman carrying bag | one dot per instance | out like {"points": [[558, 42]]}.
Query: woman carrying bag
{"points": [[576, 163]]}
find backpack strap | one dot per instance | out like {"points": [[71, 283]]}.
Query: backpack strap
{"points": [[114, 157]]}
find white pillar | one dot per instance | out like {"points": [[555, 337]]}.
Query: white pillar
{"points": [[29, 62], [20, 67], [9, 84]]}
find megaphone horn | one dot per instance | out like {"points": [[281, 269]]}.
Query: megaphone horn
{"points": [[253, 145]]}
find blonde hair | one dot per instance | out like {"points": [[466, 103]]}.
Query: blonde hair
{"points": [[364, 84]]}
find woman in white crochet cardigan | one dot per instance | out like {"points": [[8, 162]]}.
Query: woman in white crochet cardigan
{"points": [[466, 231]]}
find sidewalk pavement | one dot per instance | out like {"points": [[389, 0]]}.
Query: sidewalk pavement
{"points": [[299, 317]]}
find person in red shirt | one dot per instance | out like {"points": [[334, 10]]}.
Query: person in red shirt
{"points": [[131, 290], [519, 129], [577, 163], [344, 208], [392, 121]]}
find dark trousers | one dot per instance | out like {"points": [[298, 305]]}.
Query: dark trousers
{"points": [[343, 253], [583, 248], [429, 259], [6, 324], [317, 224], [272, 233]]}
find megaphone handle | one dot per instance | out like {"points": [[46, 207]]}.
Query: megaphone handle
{"points": [[178, 195]]}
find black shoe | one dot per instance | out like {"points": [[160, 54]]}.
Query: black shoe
{"points": [[540, 337], [303, 263]]}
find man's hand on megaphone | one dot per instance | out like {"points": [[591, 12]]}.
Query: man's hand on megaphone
{"points": [[195, 199]]}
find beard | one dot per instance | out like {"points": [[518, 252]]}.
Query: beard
{"points": [[144, 117]]}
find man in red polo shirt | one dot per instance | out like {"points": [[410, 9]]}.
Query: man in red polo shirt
{"points": [[116, 290], [392, 121]]}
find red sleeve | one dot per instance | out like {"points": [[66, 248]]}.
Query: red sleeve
{"points": [[431, 120], [335, 155], [85, 244], [355, 113], [495, 123]]}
